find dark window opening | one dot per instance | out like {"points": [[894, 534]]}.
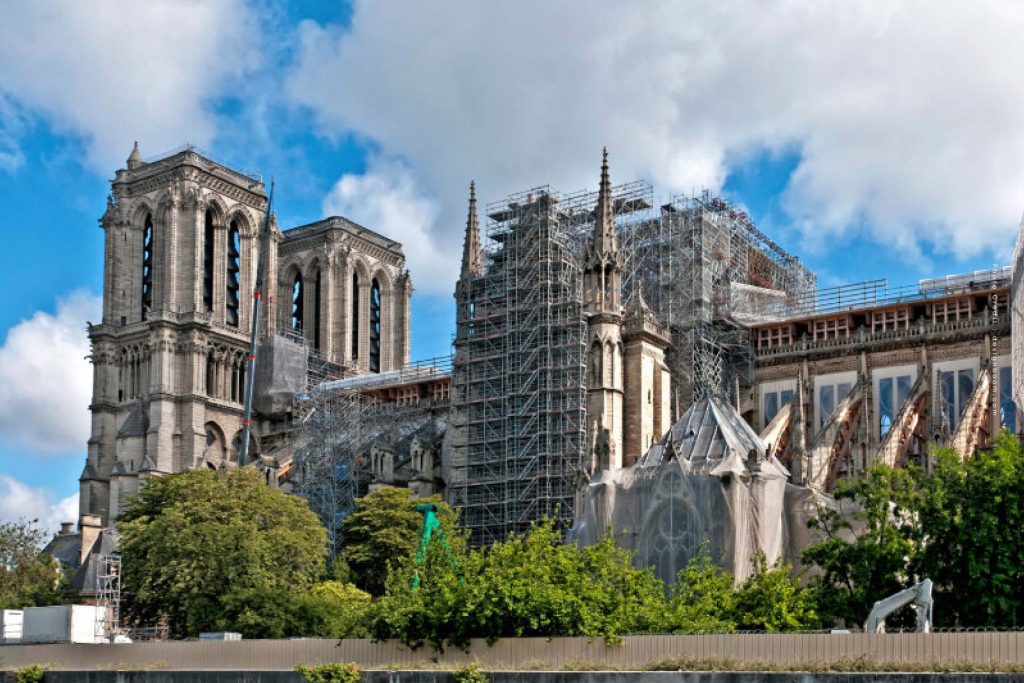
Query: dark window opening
{"points": [[209, 376], [234, 274], [147, 267], [375, 326], [208, 263], [355, 316], [297, 295], [316, 312]]}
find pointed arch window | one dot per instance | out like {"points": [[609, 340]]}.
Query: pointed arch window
{"points": [[297, 296], [147, 266], [374, 326], [355, 316], [234, 274], [208, 262], [316, 312]]}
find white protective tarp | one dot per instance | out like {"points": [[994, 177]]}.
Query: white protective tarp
{"points": [[707, 481]]}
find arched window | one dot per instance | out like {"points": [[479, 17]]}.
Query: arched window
{"points": [[208, 262], [316, 312], [234, 270], [147, 266], [297, 295], [374, 326], [355, 316], [210, 375]]}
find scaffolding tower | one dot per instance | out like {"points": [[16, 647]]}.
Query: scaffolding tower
{"points": [[108, 595], [518, 382]]}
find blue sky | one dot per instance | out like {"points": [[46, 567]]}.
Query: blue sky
{"points": [[869, 140]]}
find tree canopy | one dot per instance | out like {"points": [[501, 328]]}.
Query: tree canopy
{"points": [[383, 528], [28, 578], [210, 551]]}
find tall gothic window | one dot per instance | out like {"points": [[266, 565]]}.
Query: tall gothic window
{"points": [[355, 316], [316, 312], [147, 266], [208, 263], [234, 270], [297, 295], [375, 326]]}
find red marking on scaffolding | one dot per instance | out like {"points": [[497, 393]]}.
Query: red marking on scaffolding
{"points": [[251, 357], [256, 294], [246, 423]]}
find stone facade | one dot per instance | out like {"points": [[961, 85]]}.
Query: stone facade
{"points": [[169, 356]]}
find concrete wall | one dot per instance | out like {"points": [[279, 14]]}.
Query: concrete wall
{"points": [[530, 653]]}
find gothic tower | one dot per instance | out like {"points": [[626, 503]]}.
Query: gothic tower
{"points": [[602, 294], [169, 355]]}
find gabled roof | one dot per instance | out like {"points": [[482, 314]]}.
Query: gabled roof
{"points": [[136, 424], [712, 438]]}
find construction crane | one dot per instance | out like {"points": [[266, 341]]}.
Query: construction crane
{"points": [[920, 594]]}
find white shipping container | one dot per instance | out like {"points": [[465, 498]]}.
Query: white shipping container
{"points": [[10, 625], [64, 624]]}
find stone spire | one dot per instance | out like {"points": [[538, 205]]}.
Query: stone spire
{"points": [[606, 242], [472, 255], [135, 158]]}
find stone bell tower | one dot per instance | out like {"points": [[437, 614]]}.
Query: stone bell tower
{"points": [[180, 258]]}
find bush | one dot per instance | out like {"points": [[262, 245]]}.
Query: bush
{"points": [[470, 673], [330, 673], [30, 674]]}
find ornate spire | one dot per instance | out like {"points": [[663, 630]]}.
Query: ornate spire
{"points": [[605, 239], [135, 158], [472, 255]]}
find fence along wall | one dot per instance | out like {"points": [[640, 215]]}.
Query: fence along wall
{"points": [[635, 652]]}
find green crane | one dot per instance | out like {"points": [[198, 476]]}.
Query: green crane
{"points": [[431, 526]]}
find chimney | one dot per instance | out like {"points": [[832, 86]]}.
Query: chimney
{"points": [[90, 527], [67, 528]]}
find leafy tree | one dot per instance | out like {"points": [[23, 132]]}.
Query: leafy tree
{"points": [[217, 551], [703, 599], [771, 600], [28, 578], [871, 541], [385, 528]]}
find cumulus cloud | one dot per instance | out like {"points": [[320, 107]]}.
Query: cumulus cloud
{"points": [[122, 70], [47, 380], [905, 116], [21, 501], [388, 199]]}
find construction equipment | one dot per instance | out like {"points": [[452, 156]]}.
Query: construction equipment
{"points": [[920, 594], [431, 527]]}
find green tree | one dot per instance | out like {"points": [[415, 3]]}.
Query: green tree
{"points": [[219, 550], [871, 541], [703, 599], [28, 577], [385, 528], [771, 600]]}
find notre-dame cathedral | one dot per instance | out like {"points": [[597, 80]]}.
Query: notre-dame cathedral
{"points": [[169, 356]]}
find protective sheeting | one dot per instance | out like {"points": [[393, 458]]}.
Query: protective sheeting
{"points": [[280, 374], [707, 481]]}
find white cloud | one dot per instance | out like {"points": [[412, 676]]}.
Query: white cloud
{"points": [[388, 199], [906, 115], [123, 70], [47, 380], [21, 501]]}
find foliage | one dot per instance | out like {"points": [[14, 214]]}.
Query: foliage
{"points": [[213, 551], [470, 673], [30, 674], [868, 539], [770, 600], [385, 528], [341, 609], [330, 673], [702, 601], [958, 525], [28, 578], [530, 585]]}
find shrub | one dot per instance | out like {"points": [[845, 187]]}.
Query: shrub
{"points": [[30, 674], [470, 673], [338, 672]]}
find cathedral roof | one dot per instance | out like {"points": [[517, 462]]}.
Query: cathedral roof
{"points": [[712, 438], [136, 424]]}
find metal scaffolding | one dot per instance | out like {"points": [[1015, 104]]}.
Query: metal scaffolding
{"points": [[108, 595], [518, 384], [707, 272]]}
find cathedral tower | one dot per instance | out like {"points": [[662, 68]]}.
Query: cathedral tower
{"points": [[602, 303]]}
